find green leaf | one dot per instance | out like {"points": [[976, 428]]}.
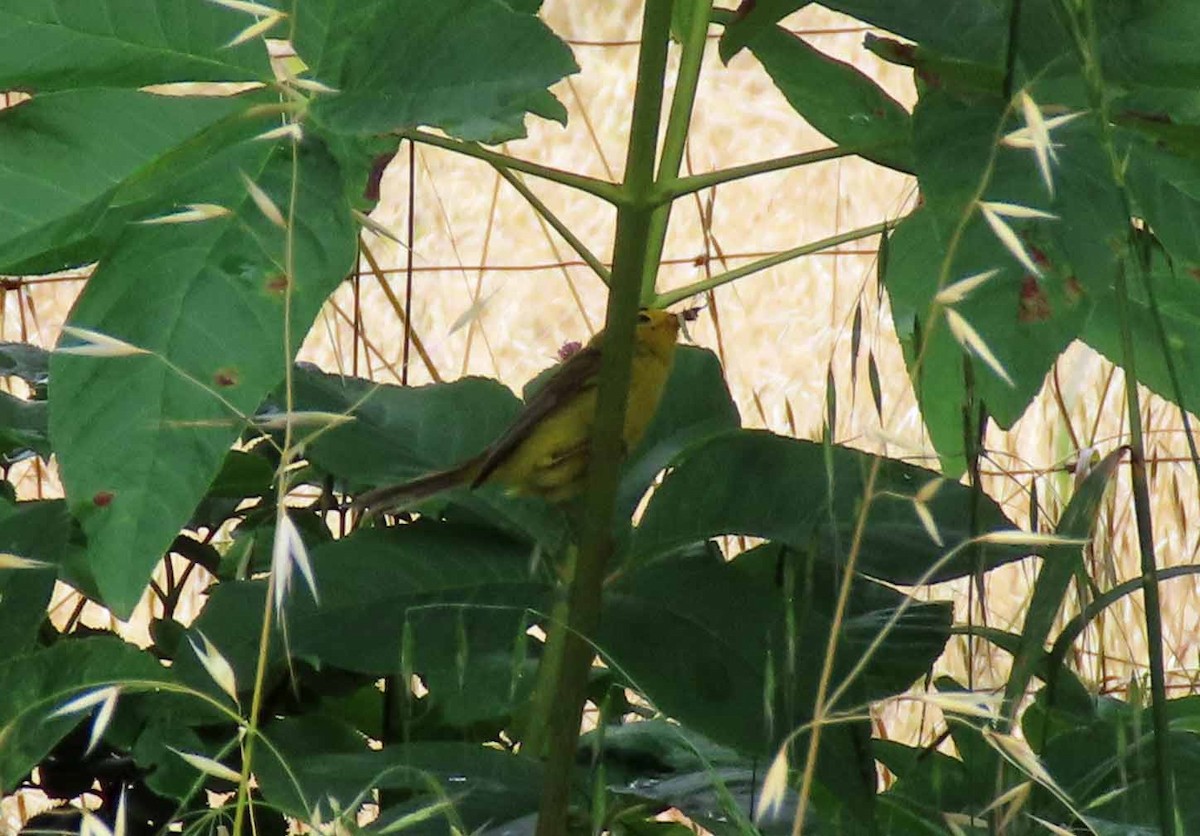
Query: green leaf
{"points": [[764, 485], [1150, 45], [709, 643], [375, 582], [977, 31], [215, 324], [63, 157], [1179, 306], [1106, 765], [469, 67], [326, 760], [232, 621], [31, 363], [35, 531], [695, 404], [1166, 187], [476, 662], [123, 43], [401, 432], [1026, 322], [23, 428], [747, 25], [931, 779], [33, 686], [836, 98]]}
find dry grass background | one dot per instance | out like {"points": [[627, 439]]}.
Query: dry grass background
{"points": [[495, 293]]}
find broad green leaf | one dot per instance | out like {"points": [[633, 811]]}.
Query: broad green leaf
{"points": [[757, 18], [372, 584], [1166, 187], [476, 661], [375, 582], [23, 427], [707, 642], [31, 363], [34, 531], [330, 761], [470, 67], [1150, 46], [1025, 321], [978, 31], [1107, 767], [1174, 288], [123, 43], [33, 686], [695, 404], [63, 157], [140, 438], [232, 621], [931, 779], [836, 98], [764, 485], [657, 746], [401, 432]]}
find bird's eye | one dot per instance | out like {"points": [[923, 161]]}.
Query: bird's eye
{"points": [[643, 317]]}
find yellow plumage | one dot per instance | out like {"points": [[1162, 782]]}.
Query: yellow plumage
{"points": [[545, 450]]}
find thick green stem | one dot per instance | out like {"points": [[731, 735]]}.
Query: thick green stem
{"points": [[695, 288], [593, 186], [675, 137], [629, 257]]}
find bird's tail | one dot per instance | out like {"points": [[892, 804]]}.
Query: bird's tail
{"points": [[394, 497]]}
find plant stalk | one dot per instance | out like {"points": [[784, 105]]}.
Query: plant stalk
{"points": [[592, 185], [703, 285], [556, 222], [1145, 532], [596, 545], [675, 137]]}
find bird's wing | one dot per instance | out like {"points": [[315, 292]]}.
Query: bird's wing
{"points": [[577, 374]]}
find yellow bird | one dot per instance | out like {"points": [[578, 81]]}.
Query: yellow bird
{"points": [[545, 450]]}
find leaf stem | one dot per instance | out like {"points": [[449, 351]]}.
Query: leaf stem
{"points": [[599, 188], [561, 228], [681, 293], [674, 187], [596, 544]]}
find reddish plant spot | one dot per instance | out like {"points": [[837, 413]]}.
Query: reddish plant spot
{"points": [[277, 283], [226, 377], [102, 499], [1034, 306], [1074, 289]]}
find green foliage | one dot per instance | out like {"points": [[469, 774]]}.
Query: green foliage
{"points": [[416, 671]]}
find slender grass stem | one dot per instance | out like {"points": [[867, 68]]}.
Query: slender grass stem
{"points": [[1087, 41]]}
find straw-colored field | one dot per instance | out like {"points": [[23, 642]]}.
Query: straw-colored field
{"points": [[496, 293]]}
